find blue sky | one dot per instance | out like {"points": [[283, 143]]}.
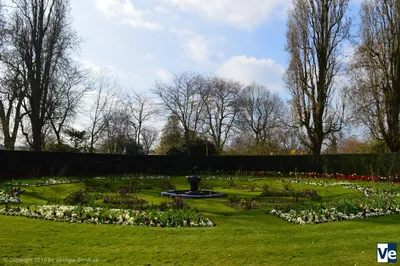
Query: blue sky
{"points": [[140, 41]]}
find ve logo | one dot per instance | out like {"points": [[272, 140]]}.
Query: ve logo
{"points": [[386, 252]]}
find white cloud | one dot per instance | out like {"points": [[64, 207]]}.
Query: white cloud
{"points": [[183, 32], [89, 65], [97, 69], [243, 14], [124, 12], [221, 54], [197, 49], [161, 9], [163, 75], [149, 58], [249, 69]]}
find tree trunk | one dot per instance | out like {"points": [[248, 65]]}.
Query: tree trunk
{"points": [[9, 143], [36, 135], [316, 147]]}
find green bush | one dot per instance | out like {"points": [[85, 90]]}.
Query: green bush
{"points": [[80, 197], [168, 185], [206, 186], [129, 201]]}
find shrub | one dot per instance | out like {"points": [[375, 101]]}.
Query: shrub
{"points": [[248, 204], [265, 190], [287, 187], [177, 203], [242, 203], [129, 201], [312, 194], [123, 190], [232, 184], [79, 197], [233, 199], [252, 187], [163, 206], [168, 185], [206, 186], [135, 186]]}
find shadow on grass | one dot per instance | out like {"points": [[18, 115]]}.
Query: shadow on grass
{"points": [[35, 195]]}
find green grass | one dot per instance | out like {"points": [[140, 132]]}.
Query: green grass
{"points": [[240, 237]]}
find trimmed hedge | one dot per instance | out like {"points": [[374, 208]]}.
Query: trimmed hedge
{"points": [[25, 164]]}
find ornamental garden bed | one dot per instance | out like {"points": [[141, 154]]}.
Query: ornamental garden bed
{"points": [[124, 220], [301, 198]]}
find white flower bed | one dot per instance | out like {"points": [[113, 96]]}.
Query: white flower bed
{"points": [[234, 178], [329, 215], [41, 183], [374, 202], [89, 215], [5, 198], [316, 183], [160, 177], [345, 184]]}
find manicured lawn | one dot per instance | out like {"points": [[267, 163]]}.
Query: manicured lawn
{"points": [[240, 238]]}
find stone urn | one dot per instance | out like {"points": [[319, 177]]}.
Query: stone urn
{"points": [[194, 180]]}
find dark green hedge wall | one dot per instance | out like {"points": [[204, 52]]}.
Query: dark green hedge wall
{"points": [[24, 164]]}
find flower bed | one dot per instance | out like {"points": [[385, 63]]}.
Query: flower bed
{"points": [[345, 209], [89, 215], [5, 198], [329, 215], [133, 177], [310, 181], [352, 177], [12, 197], [231, 178], [41, 182], [364, 187], [242, 173]]}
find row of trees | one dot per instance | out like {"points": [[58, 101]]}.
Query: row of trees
{"points": [[326, 94], [43, 89], [223, 112], [316, 31], [38, 78]]}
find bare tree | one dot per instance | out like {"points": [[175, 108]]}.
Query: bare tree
{"points": [[41, 36], [149, 136], [65, 99], [2, 27], [11, 99], [11, 87], [290, 142], [375, 71], [180, 97], [315, 31], [140, 110], [103, 89], [114, 139], [220, 98], [261, 114]]}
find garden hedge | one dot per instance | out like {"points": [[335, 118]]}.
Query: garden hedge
{"points": [[25, 164]]}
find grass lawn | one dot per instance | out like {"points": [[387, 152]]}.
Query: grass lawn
{"points": [[240, 238]]}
